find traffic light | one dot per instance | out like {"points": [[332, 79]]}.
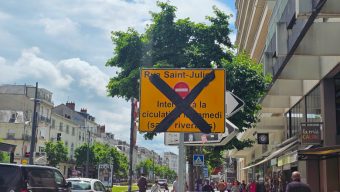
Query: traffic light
{"points": [[58, 136]]}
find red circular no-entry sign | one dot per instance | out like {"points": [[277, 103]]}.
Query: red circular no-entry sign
{"points": [[182, 89]]}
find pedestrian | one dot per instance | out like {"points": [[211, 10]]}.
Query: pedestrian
{"points": [[175, 185], [252, 186], [156, 187], [243, 186], [296, 185], [235, 187], [207, 187], [142, 183], [221, 186]]}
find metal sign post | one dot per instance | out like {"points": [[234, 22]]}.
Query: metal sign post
{"points": [[181, 164]]}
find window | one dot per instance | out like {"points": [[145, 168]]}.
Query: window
{"points": [[308, 109], [73, 131], [11, 134], [53, 124], [59, 179], [72, 150], [313, 106], [61, 126], [98, 186], [67, 129], [9, 174], [41, 149], [40, 178]]}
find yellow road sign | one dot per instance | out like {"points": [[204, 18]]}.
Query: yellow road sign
{"points": [[24, 161], [182, 100]]}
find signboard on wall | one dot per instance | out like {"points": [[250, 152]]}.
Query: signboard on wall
{"points": [[310, 133], [105, 174]]}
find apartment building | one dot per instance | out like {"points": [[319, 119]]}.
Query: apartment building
{"points": [[171, 160], [16, 114], [297, 42]]}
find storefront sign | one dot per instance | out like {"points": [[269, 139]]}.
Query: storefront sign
{"points": [[287, 159], [273, 162], [310, 134]]}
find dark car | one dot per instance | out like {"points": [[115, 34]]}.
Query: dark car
{"points": [[31, 178]]}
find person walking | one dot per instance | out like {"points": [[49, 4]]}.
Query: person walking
{"points": [[142, 183], [175, 186], [221, 186], [156, 187], [296, 185], [207, 187]]}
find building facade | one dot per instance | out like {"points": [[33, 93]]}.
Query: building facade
{"points": [[297, 42], [16, 114], [171, 160]]}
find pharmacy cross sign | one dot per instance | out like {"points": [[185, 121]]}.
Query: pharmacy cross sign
{"points": [[182, 104]]}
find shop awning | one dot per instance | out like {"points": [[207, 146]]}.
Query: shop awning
{"points": [[273, 155], [320, 153]]}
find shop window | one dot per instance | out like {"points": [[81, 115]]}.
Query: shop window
{"points": [[313, 106]]}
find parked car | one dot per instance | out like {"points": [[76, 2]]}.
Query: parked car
{"points": [[163, 183], [86, 185], [31, 178]]}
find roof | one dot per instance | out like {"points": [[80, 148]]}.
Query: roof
{"points": [[21, 165], [82, 179]]}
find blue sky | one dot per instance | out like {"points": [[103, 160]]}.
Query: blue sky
{"points": [[64, 46]]}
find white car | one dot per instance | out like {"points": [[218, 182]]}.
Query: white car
{"points": [[86, 185]]}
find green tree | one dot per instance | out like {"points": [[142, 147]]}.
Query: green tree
{"points": [[103, 154], [145, 167], [167, 43], [56, 152], [4, 157], [80, 154]]}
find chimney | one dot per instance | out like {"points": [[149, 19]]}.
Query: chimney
{"points": [[71, 105], [83, 110]]}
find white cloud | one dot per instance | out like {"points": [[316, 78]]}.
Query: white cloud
{"points": [[59, 27], [89, 76], [29, 65], [4, 16]]}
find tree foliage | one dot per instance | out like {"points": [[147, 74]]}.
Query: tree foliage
{"points": [[148, 166], [56, 152], [103, 154], [171, 43], [4, 157], [167, 42]]}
